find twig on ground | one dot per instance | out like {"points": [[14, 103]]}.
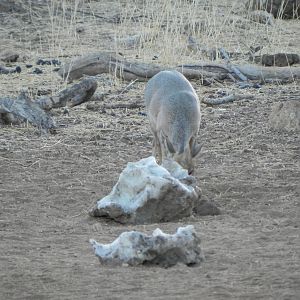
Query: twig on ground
{"points": [[124, 105], [226, 99]]}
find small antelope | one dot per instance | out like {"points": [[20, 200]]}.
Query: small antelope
{"points": [[173, 110]]}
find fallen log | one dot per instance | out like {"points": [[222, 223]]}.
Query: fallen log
{"points": [[270, 73], [24, 109], [107, 62], [253, 72], [5, 70], [15, 111], [72, 96], [232, 68]]}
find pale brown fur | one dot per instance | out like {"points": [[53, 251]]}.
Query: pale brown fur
{"points": [[173, 110]]}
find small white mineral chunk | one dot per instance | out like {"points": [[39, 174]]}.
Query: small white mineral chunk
{"points": [[135, 248]]}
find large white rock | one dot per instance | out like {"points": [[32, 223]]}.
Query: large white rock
{"points": [[135, 248], [149, 193]]}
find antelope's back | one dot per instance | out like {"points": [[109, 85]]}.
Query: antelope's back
{"points": [[162, 86]]}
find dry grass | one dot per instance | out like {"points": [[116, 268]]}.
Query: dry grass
{"points": [[64, 29]]}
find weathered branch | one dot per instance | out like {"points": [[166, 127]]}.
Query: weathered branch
{"points": [[72, 96], [124, 105], [253, 72], [5, 70], [24, 109], [233, 69], [226, 99], [104, 62], [270, 73]]}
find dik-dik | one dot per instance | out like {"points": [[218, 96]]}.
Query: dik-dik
{"points": [[174, 112]]}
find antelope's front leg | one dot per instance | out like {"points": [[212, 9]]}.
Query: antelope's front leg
{"points": [[156, 148], [165, 154]]}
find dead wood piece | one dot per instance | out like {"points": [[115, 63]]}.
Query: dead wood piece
{"points": [[236, 71], [23, 109], [252, 72], [102, 107], [205, 76], [252, 51], [91, 64], [284, 74], [278, 59], [226, 99], [132, 105], [5, 70], [104, 62], [72, 96], [207, 67], [143, 72]]}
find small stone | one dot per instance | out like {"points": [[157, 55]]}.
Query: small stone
{"points": [[80, 29], [37, 71]]}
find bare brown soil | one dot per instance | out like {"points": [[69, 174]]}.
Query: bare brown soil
{"points": [[48, 184]]}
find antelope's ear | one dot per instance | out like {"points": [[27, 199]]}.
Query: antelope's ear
{"points": [[196, 148], [170, 146]]}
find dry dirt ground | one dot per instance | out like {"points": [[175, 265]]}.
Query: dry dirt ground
{"points": [[48, 184]]}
